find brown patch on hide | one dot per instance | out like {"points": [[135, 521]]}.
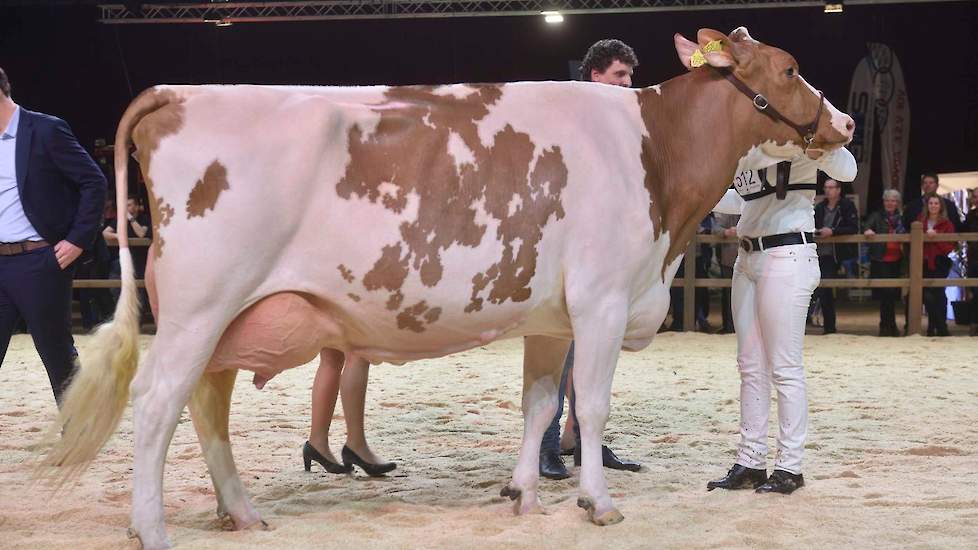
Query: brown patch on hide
{"points": [[165, 120], [389, 272], [394, 301], [346, 273], [204, 195], [409, 149], [415, 318]]}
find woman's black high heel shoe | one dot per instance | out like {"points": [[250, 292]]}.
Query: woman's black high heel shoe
{"points": [[309, 453], [372, 470]]}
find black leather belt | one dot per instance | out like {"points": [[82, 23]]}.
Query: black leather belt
{"points": [[772, 241]]}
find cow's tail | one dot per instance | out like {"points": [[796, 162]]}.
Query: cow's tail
{"points": [[99, 391]]}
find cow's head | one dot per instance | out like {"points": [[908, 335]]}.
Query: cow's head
{"points": [[774, 74]]}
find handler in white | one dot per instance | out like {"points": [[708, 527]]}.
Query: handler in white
{"points": [[774, 276]]}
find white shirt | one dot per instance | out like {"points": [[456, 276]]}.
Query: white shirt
{"points": [[796, 212], [14, 225]]}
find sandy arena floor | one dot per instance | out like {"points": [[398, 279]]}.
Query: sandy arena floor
{"points": [[892, 457]]}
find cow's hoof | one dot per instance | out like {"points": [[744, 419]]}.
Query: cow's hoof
{"points": [[257, 525], [609, 517], [162, 544], [511, 492], [527, 508]]}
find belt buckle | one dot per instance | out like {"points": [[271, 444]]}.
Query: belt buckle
{"points": [[747, 245]]}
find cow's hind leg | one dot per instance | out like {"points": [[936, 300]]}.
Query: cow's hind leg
{"points": [[210, 406], [598, 338], [159, 393], [543, 358]]}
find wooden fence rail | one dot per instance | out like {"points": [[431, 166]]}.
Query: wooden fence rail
{"points": [[915, 282]]}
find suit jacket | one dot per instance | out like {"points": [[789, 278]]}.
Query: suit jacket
{"points": [[846, 223], [61, 188]]}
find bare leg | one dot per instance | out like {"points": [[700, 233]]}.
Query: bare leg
{"points": [[325, 388], [354, 395]]}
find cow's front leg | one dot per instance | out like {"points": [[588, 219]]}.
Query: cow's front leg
{"points": [[598, 337], [543, 358]]}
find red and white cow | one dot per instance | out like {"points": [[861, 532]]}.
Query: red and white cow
{"points": [[399, 223]]}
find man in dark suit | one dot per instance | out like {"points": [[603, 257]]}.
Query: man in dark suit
{"points": [[51, 198]]}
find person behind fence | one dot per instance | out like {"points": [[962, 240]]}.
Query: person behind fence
{"points": [[701, 300], [836, 215], [51, 197], [913, 210], [886, 258], [138, 226], [937, 265], [971, 226], [726, 225]]}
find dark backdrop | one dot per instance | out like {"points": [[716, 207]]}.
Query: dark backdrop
{"points": [[61, 61]]}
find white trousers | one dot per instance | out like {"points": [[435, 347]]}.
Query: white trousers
{"points": [[771, 293]]}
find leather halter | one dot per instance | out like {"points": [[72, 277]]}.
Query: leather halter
{"points": [[761, 103]]}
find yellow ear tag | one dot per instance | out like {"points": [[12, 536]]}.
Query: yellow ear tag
{"points": [[697, 59], [713, 46]]}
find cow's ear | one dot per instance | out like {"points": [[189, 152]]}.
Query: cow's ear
{"points": [[685, 49], [740, 34], [716, 48]]}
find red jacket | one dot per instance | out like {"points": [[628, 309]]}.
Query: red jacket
{"points": [[934, 249]]}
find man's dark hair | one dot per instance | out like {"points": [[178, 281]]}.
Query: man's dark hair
{"points": [[603, 53], [930, 175], [4, 83]]}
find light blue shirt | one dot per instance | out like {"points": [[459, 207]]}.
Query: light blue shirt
{"points": [[14, 225]]}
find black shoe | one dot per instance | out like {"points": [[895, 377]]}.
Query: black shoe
{"points": [[372, 470], [942, 331], [309, 453], [552, 467], [782, 482], [610, 460], [739, 477], [726, 330], [829, 330]]}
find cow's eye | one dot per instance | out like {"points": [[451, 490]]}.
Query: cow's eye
{"points": [[791, 72]]}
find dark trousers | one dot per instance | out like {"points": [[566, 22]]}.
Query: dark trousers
{"points": [[888, 297], [96, 303], [34, 288], [826, 296], [728, 324], [935, 302]]}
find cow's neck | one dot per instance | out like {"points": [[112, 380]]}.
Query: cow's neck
{"points": [[697, 134]]}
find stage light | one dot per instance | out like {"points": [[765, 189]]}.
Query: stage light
{"points": [[833, 7], [552, 17], [225, 22]]}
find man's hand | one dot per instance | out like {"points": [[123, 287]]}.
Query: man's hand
{"points": [[730, 232], [825, 232], [66, 253], [869, 232]]}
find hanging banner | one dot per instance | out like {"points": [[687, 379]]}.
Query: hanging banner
{"points": [[878, 103]]}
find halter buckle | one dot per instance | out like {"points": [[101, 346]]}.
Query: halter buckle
{"points": [[760, 102]]}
